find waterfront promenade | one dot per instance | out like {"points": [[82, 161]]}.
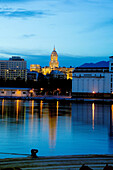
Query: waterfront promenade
{"points": [[73, 162], [59, 98]]}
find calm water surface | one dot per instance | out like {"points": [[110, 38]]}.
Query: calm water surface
{"points": [[55, 128]]}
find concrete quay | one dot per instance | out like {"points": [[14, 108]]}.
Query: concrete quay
{"points": [[59, 98], [72, 162]]}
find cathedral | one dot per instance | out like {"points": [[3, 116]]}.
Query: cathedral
{"points": [[54, 60], [54, 69]]}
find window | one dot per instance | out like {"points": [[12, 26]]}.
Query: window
{"points": [[24, 92], [2, 92], [13, 92], [87, 75]]}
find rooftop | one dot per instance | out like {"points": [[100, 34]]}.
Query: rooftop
{"points": [[16, 58], [91, 69], [13, 88]]}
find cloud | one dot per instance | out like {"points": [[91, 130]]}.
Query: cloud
{"points": [[14, 1], [21, 1], [103, 24], [22, 13], [98, 26], [28, 35]]}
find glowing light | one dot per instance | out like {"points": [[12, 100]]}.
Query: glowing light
{"points": [[112, 112], [57, 107], [2, 108], [31, 91], [41, 107], [18, 92], [52, 130], [24, 116], [32, 108], [17, 107], [93, 114], [93, 92]]}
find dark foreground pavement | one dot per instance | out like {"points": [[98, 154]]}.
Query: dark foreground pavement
{"points": [[74, 162]]}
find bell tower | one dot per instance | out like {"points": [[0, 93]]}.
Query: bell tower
{"points": [[54, 60]]}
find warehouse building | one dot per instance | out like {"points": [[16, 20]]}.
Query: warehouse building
{"points": [[93, 81]]}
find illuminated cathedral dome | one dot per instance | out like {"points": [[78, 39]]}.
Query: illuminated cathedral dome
{"points": [[54, 60]]}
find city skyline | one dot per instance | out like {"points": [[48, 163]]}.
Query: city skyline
{"points": [[80, 30]]}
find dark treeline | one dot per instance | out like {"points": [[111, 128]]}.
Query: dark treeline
{"points": [[44, 85]]}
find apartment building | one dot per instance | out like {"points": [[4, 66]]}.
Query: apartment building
{"points": [[13, 69]]}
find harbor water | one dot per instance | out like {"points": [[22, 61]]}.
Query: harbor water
{"points": [[55, 128]]}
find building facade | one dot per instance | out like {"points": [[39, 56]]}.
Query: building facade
{"points": [[53, 65], [54, 60], [35, 67], [58, 74], [32, 76], [93, 81], [16, 92], [12, 69]]}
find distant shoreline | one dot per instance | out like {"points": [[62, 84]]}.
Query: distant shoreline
{"points": [[59, 98]]}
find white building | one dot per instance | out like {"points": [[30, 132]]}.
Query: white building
{"points": [[17, 92], [93, 81], [13, 69]]}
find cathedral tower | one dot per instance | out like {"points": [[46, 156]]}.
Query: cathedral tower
{"points": [[54, 60]]}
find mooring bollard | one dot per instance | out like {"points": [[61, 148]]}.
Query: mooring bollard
{"points": [[33, 153], [84, 167], [107, 167]]}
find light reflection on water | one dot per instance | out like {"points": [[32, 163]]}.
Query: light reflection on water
{"points": [[55, 128]]}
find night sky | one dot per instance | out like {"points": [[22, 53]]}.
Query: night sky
{"points": [[81, 30]]}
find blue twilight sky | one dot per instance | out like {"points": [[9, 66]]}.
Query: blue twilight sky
{"points": [[81, 30]]}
